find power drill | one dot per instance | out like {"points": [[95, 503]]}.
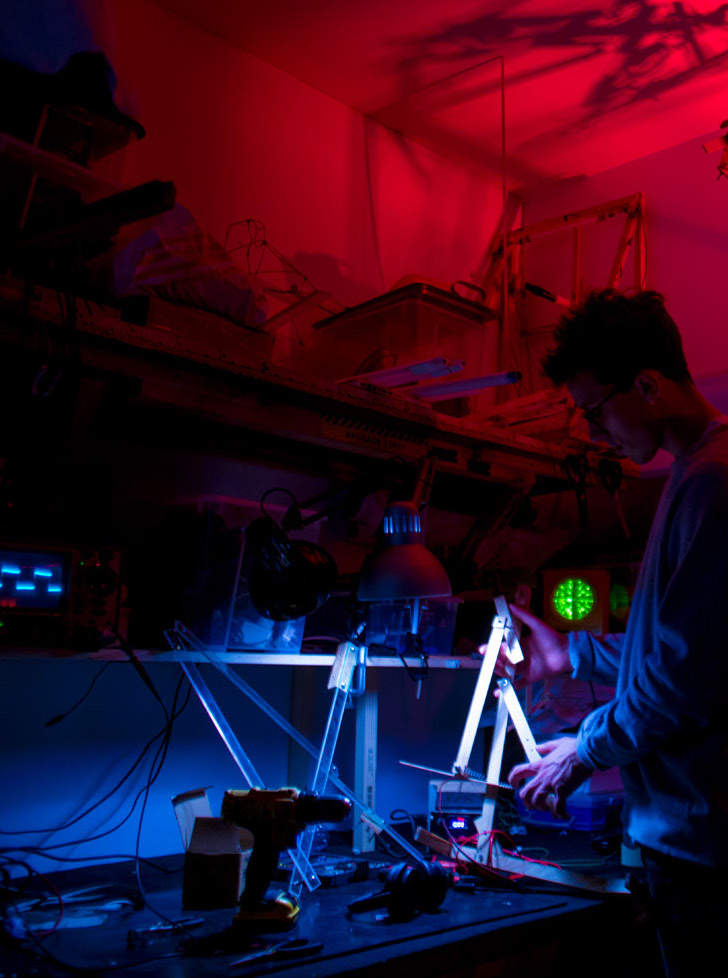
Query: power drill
{"points": [[275, 818]]}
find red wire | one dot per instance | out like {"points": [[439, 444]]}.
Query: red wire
{"points": [[456, 843], [530, 859], [473, 839], [56, 925]]}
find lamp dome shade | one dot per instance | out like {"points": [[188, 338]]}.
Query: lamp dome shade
{"points": [[405, 570]]}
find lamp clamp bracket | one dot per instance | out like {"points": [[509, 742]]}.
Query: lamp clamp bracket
{"points": [[343, 667]]}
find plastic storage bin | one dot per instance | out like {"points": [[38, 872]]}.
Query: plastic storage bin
{"points": [[250, 632], [588, 812], [389, 623]]}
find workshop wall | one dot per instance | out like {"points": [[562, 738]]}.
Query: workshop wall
{"points": [[357, 209], [354, 206], [52, 775], [686, 208]]}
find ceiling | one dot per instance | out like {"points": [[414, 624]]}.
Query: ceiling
{"points": [[586, 88]]}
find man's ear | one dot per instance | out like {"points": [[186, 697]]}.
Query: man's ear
{"points": [[647, 383]]}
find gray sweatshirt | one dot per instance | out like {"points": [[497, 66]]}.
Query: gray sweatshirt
{"points": [[667, 727]]}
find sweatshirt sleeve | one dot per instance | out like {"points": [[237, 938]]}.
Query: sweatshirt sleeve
{"points": [[680, 685], [595, 657]]}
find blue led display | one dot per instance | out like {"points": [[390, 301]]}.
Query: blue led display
{"points": [[32, 581]]}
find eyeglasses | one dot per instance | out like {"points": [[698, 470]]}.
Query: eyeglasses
{"points": [[593, 414]]}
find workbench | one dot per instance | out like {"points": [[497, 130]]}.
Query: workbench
{"points": [[532, 932]]}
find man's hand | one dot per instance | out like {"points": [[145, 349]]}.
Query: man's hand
{"points": [[553, 778], [546, 651]]}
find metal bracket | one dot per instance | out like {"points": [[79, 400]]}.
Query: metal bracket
{"points": [[180, 637], [343, 667]]}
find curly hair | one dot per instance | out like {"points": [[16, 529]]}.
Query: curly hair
{"points": [[613, 336]]}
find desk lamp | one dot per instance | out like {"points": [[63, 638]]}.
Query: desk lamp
{"points": [[403, 569]]}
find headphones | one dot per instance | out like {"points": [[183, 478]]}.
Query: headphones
{"points": [[407, 891]]}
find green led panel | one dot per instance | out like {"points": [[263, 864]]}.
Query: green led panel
{"points": [[619, 600], [573, 598]]}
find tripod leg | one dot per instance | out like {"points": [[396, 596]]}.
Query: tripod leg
{"points": [[484, 824], [479, 696], [342, 672], [508, 696]]}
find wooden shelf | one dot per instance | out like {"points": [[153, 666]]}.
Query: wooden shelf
{"points": [[217, 374]]}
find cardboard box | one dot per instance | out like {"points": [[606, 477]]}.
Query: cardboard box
{"points": [[216, 854]]}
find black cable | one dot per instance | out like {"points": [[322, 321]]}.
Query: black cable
{"points": [[116, 856], [141, 671], [166, 734], [39, 950], [91, 808], [414, 647], [401, 815], [62, 716], [152, 778], [30, 872], [419, 672], [270, 492], [42, 850], [154, 771], [97, 804]]}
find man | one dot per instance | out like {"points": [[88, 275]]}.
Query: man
{"points": [[622, 360]]}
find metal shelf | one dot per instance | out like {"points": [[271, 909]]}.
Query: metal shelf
{"points": [[236, 658]]}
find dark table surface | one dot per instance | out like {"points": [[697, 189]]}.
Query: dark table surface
{"points": [[105, 929]]}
